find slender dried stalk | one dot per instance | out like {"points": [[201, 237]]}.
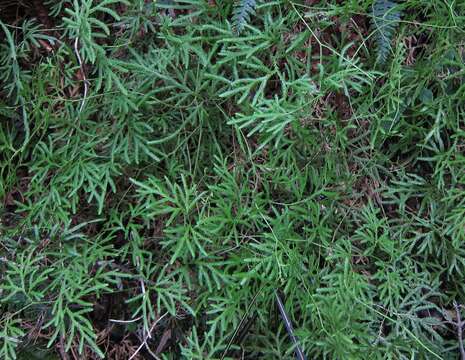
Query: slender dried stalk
{"points": [[459, 324]]}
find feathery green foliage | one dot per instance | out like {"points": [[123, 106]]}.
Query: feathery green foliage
{"points": [[162, 177]]}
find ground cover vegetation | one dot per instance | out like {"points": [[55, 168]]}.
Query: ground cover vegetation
{"points": [[167, 166]]}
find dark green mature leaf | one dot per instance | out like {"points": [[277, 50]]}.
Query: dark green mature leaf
{"points": [[243, 10], [386, 16]]}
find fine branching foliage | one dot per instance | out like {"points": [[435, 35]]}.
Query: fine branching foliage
{"points": [[167, 167]]}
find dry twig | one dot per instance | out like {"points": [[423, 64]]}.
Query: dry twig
{"points": [[83, 74], [459, 324], [146, 337]]}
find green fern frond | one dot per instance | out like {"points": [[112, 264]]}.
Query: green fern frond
{"points": [[385, 20], [243, 9]]}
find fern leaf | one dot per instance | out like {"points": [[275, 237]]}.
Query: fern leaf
{"points": [[243, 9], [385, 20]]}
